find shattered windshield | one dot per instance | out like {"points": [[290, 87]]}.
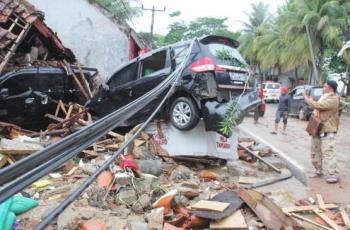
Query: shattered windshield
{"points": [[227, 53]]}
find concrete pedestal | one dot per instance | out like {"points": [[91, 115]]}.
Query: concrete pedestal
{"points": [[196, 142]]}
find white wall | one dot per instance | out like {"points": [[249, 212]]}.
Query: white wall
{"points": [[93, 37]]}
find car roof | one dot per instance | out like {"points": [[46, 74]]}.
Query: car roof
{"points": [[307, 86]]}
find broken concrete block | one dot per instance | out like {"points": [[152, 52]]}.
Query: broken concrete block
{"points": [[128, 197], [153, 167], [180, 173], [123, 179], [156, 219], [142, 203], [18, 147], [137, 225]]}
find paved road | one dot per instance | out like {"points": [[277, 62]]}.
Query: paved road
{"points": [[296, 144]]}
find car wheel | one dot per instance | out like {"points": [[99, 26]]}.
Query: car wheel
{"points": [[302, 115], [184, 114]]}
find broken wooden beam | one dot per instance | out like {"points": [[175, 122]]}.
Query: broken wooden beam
{"points": [[83, 79], [192, 159], [320, 202], [260, 158], [307, 208], [310, 221], [326, 219], [75, 116], [345, 218]]}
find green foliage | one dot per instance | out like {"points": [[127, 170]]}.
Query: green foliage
{"points": [[120, 9], [175, 14], [282, 41], [347, 99], [158, 40], [225, 55], [180, 31], [229, 121]]}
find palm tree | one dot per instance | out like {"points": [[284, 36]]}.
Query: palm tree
{"points": [[253, 29], [310, 25]]}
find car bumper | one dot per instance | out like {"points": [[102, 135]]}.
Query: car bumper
{"points": [[213, 112]]}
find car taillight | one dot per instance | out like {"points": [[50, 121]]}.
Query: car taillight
{"points": [[205, 64]]}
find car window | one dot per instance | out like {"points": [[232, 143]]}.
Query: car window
{"points": [[153, 63], [179, 54], [125, 75], [299, 92], [227, 54], [273, 86], [19, 84], [317, 92], [49, 82]]}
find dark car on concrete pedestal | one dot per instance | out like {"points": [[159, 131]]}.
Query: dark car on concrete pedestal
{"points": [[215, 74]]}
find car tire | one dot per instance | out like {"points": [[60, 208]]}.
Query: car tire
{"points": [[184, 113], [302, 114]]}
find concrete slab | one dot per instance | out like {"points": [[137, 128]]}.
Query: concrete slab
{"points": [[197, 142]]}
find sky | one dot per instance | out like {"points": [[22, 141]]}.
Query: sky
{"points": [[234, 10]]}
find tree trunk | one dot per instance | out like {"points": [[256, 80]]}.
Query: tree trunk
{"points": [[296, 77]]}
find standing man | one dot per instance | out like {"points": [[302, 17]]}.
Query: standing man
{"points": [[282, 110], [323, 156], [261, 107]]}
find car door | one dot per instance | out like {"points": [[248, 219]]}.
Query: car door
{"points": [[17, 103], [292, 102], [153, 69], [117, 91], [298, 100]]}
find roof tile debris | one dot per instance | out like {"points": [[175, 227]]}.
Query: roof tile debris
{"points": [[25, 39]]}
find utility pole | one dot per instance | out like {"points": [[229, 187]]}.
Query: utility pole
{"points": [[153, 9]]}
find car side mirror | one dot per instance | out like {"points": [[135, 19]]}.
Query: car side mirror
{"points": [[4, 93]]}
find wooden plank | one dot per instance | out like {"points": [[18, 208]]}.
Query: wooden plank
{"points": [[247, 180], [320, 202], [70, 109], [310, 221], [346, 219], [72, 171], [210, 205], [235, 221], [3, 160], [307, 208], [57, 108], [83, 79], [324, 217], [62, 107]]}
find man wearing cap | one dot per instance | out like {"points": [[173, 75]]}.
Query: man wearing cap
{"points": [[323, 155], [282, 110]]}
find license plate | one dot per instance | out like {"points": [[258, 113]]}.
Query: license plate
{"points": [[237, 76]]}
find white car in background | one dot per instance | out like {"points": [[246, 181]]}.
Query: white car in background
{"points": [[271, 91]]}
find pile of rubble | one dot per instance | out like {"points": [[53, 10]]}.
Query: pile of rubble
{"points": [[16, 142], [146, 188]]}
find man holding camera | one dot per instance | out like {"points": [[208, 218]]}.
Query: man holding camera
{"points": [[323, 154]]}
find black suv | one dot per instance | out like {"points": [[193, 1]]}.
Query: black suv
{"points": [[27, 94], [215, 74]]}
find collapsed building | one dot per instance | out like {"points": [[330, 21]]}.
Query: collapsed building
{"points": [[26, 40]]}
